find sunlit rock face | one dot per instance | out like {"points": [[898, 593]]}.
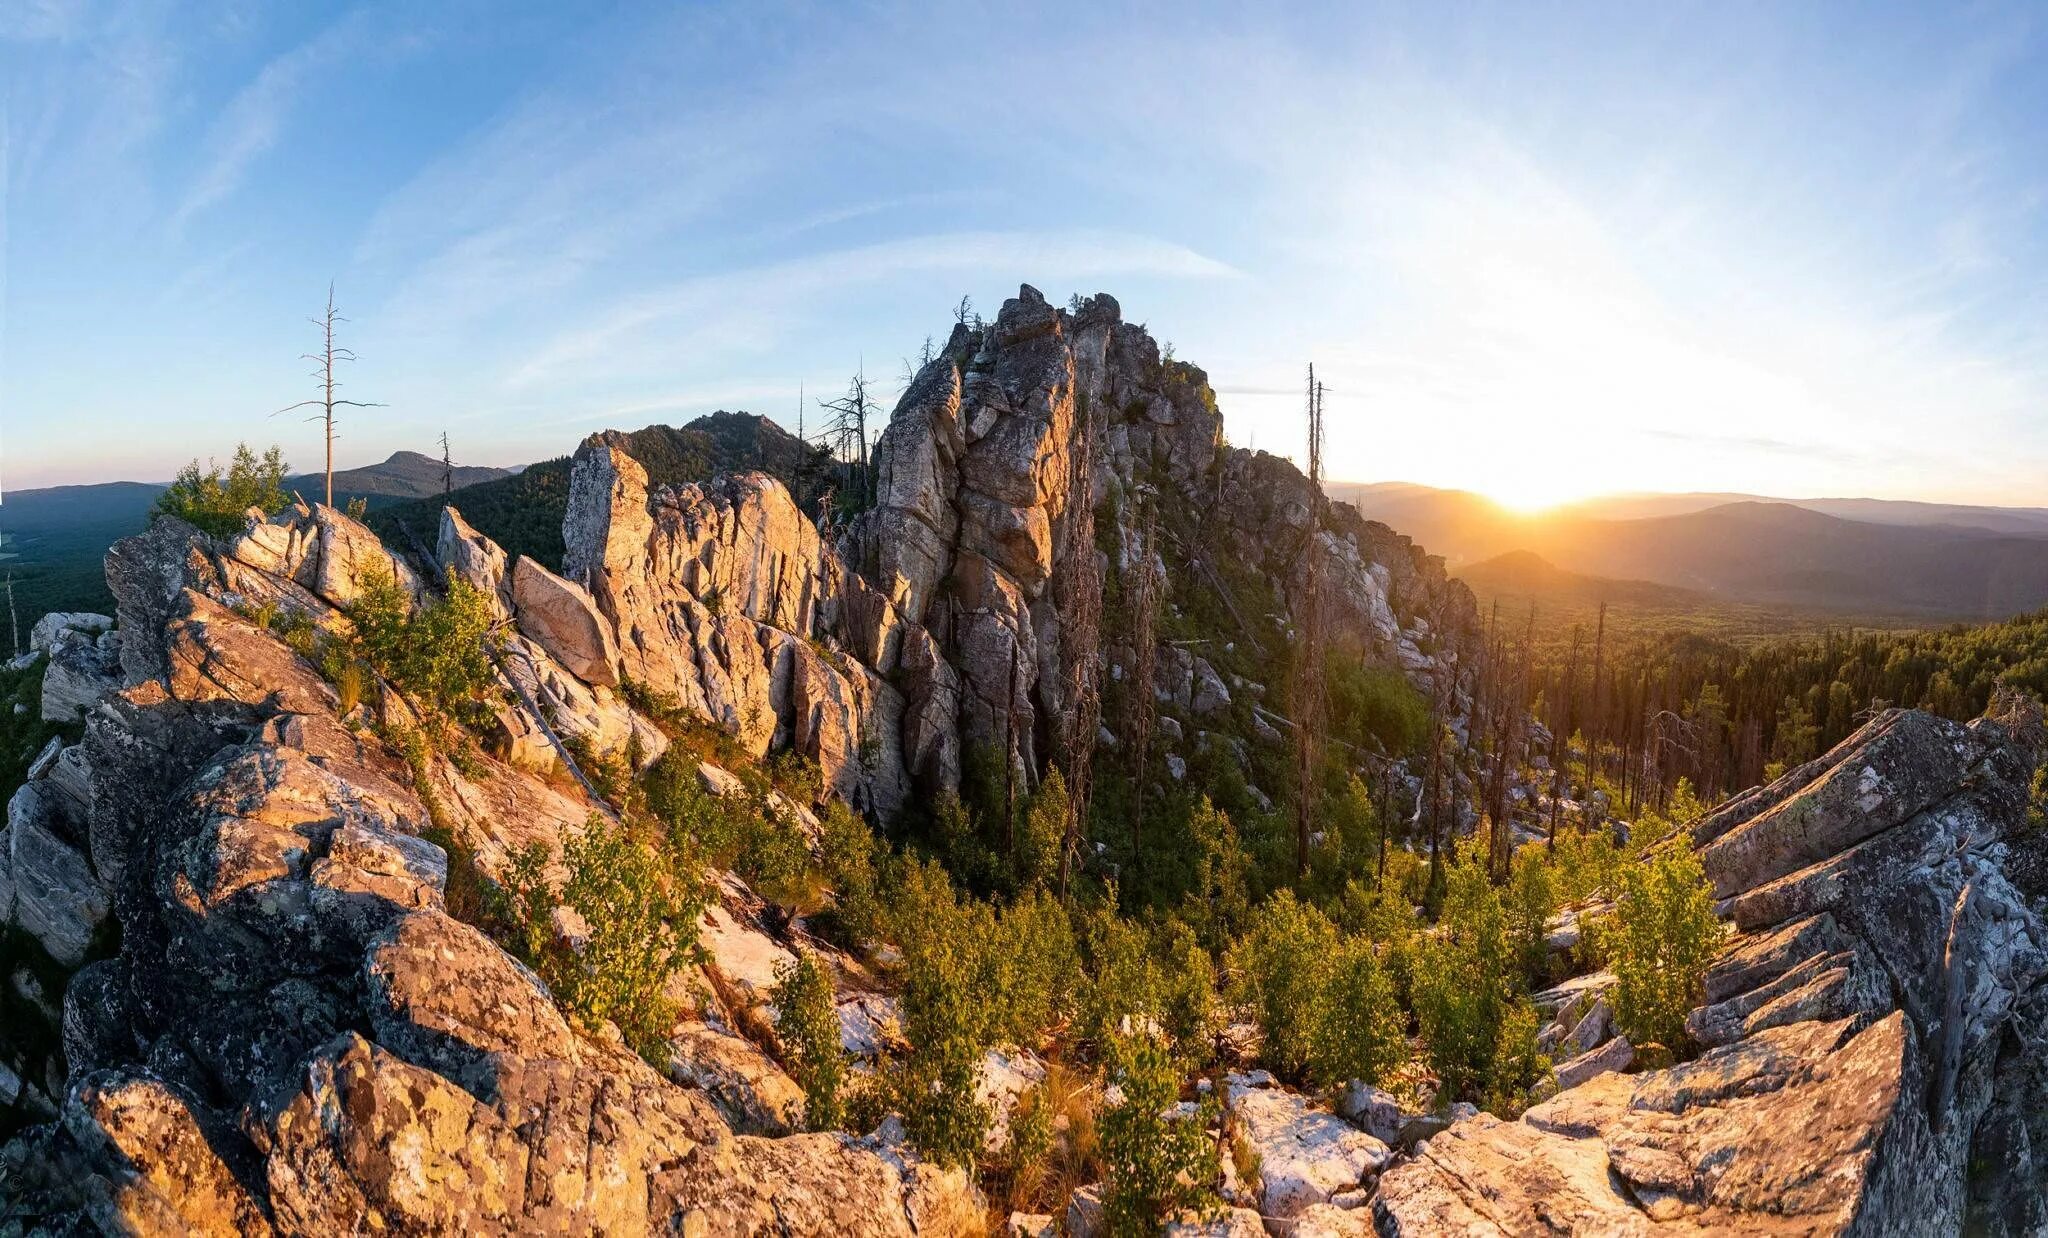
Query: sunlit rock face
{"points": [[1875, 1057]]}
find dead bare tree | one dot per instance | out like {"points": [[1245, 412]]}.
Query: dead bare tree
{"points": [[1081, 634], [326, 359], [1595, 722], [1309, 689], [1143, 708], [447, 469], [846, 429]]}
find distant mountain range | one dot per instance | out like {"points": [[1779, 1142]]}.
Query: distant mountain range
{"points": [[1847, 556]]}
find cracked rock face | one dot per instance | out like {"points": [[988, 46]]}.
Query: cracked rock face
{"points": [[1875, 1058], [296, 1038]]}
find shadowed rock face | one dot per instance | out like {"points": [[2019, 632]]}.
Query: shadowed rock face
{"points": [[1875, 1026]]}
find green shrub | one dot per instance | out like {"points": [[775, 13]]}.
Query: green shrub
{"points": [[807, 1024], [1660, 940], [1357, 1029], [1218, 901], [1531, 897], [217, 504], [1121, 989], [641, 906], [1375, 707], [1466, 987], [848, 850], [1041, 834], [1517, 1062], [1034, 970], [1385, 918], [1187, 990], [1160, 1163], [1027, 1155], [948, 1014], [434, 651], [1275, 973]]}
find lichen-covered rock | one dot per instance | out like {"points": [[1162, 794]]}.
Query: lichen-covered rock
{"points": [[83, 668], [1306, 1154], [42, 638], [469, 556], [47, 885], [1870, 1026]]}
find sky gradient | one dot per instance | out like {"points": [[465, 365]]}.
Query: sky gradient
{"points": [[1784, 249]]}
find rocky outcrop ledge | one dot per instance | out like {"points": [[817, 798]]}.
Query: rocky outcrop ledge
{"points": [[294, 1036], [1877, 1026]]}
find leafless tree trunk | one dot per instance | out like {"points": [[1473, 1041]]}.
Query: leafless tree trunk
{"points": [[847, 429], [447, 469], [1143, 708], [1596, 723], [326, 359], [1309, 689]]}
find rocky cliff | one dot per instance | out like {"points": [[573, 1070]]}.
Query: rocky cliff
{"points": [[930, 625], [1876, 1025]]}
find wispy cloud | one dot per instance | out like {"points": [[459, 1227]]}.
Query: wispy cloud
{"points": [[249, 127], [743, 300]]}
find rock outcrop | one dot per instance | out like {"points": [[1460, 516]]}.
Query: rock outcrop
{"points": [[294, 1035], [1875, 1026], [930, 628]]}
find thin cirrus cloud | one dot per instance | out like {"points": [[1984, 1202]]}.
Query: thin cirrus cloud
{"points": [[254, 120], [762, 296]]}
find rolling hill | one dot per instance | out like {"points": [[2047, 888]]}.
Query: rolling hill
{"points": [[1911, 560]]}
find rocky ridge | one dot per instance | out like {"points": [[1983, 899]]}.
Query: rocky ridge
{"points": [[294, 1035]]}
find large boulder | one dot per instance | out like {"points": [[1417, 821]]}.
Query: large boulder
{"points": [[559, 616], [1307, 1155], [469, 556], [42, 638], [47, 885], [83, 668]]}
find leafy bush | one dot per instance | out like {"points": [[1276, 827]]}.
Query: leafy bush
{"points": [[947, 1015], [1122, 988], [848, 851], [1041, 834], [1275, 976], [1660, 940], [1375, 707], [1467, 999], [1187, 989], [1218, 900], [807, 1023], [1386, 918], [1034, 967], [1357, 1029], [433, 651], [1160, 1163], [640, 905], [217, 504], [1531, 897]]}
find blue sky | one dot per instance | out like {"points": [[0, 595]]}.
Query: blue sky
{"points": [[1536, 250]]}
